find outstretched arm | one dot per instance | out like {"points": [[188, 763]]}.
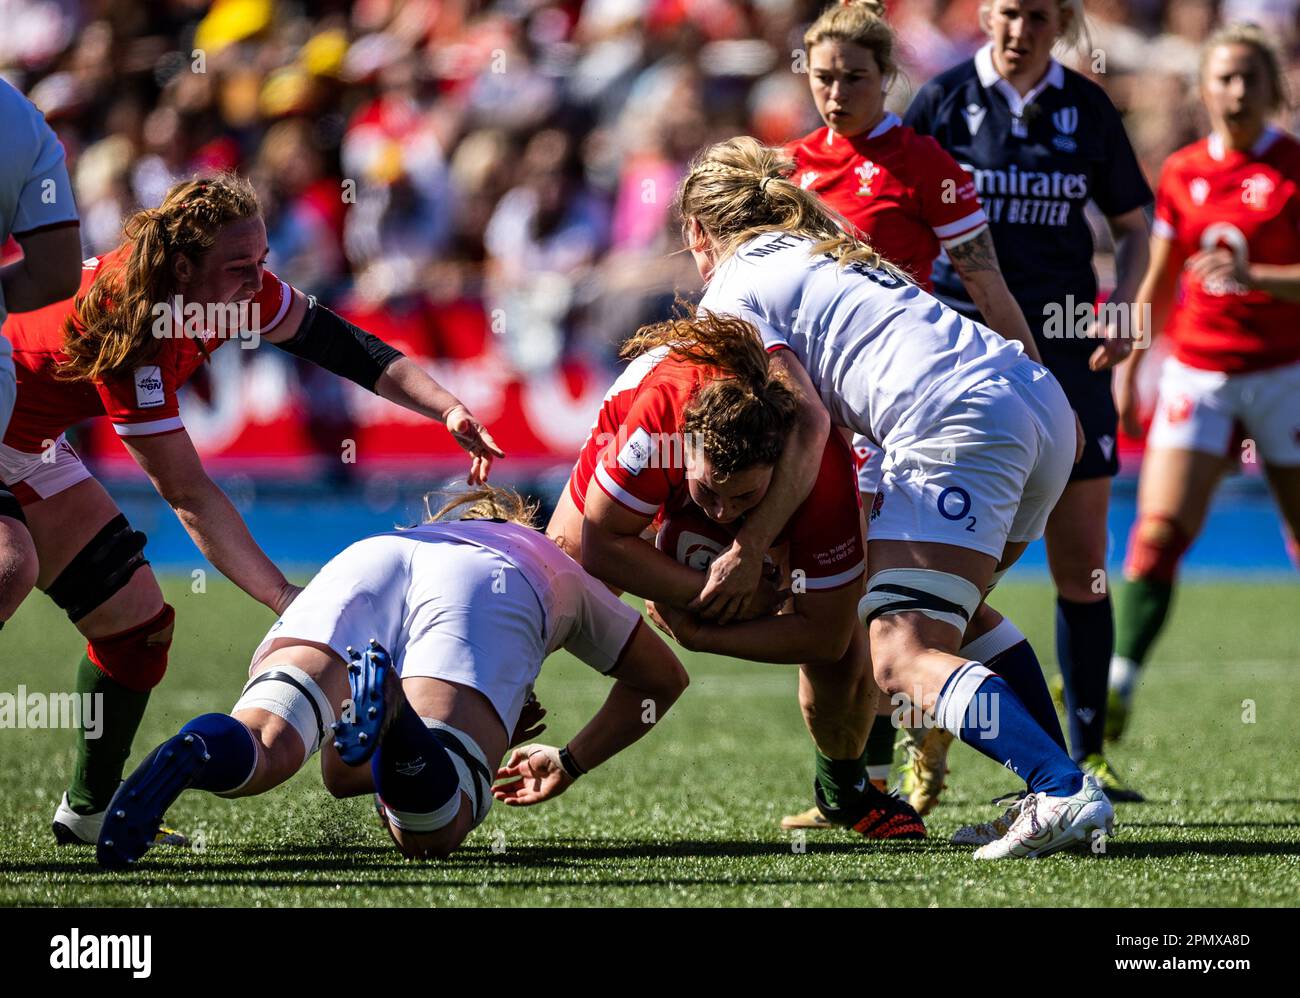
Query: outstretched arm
{"points": [[315, 333], [648, 682], [209, 517]]}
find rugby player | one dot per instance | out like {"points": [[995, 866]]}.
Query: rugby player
{"points": [[122, 348], [1042, 142], [908, 198], [978, 440], [469, 608], [1224, 286], [697, 421], [38, 210]]}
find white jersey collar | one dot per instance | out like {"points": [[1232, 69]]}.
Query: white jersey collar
{"points": [[1266, 139], [890, 120], [989, 77]]}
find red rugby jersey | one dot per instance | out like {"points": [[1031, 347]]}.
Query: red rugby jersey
{"points": [[900, 189], [141, 403], [1249, 202], [634, 454]]}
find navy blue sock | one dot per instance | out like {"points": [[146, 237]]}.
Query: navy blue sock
{"points": [[1019, 666], [1085, 641], [981, 709], [413, 772], [232, 755]]}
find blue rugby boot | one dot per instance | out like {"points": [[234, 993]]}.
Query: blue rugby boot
{"points": [[358, 733], [134, 815]]}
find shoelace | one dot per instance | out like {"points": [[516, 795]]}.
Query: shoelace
{"points": [[1028, 810]]}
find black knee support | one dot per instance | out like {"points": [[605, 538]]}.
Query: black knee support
{"points": [[100, 569]]}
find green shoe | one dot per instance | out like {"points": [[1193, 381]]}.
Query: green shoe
{"points": [[1117, 710], [1096, 766]]}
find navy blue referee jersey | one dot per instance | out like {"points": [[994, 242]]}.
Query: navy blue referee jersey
{"points": [[1037, 161]]}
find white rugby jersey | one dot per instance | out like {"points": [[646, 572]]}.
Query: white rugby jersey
{"points": [[886, 357], [35, 192], [582, 615]]}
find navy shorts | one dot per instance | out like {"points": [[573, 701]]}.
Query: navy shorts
{"points": [[1090, 396]]}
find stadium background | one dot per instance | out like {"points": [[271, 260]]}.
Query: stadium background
{"points": [[489, 186]]}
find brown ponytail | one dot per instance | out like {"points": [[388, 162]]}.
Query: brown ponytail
{"points": [[741, 418], [117, 313]]}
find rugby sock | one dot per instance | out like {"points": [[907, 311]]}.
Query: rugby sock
{"points": [[1006, 651], [413, 773], [1085, 641], [98, 769], [843, 781], [981, 709], [1020, 667], [232, 753], [1143, 607], [880, 747]]}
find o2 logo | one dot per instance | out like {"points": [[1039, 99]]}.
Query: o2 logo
{"points": [[954, 504]]}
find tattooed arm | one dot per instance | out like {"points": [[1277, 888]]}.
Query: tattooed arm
{"points": [[977, 262]]}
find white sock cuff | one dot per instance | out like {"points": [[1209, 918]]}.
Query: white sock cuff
{"points": [[953, 704], [989, 646]]}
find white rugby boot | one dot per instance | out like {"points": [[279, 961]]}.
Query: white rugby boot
{"points": [[73, 829], [1046, 824]]}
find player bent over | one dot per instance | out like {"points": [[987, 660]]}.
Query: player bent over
{"points": [[469, 608], [979, 442], [689, 437]]}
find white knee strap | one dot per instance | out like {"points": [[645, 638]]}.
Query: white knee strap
{"points": [[939, 595], [288, 692]]}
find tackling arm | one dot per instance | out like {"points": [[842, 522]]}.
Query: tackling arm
{"points": [[317, 334], [735, 575]]}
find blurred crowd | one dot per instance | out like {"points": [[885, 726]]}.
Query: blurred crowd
{"points": [[499, 172]]}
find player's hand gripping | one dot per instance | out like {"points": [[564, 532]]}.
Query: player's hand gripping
{"points": [[535, 775], [737, 588], [475, 440]]}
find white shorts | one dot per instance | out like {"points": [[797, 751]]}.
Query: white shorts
{"points": [[456, 612], [987, 473], [32, 477], [868, 459], [1205, 410]]}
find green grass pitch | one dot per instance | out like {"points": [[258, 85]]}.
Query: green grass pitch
{"points": [[689, 815]]}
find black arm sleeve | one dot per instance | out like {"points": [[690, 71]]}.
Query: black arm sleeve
{"points": [[328, 340]]}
